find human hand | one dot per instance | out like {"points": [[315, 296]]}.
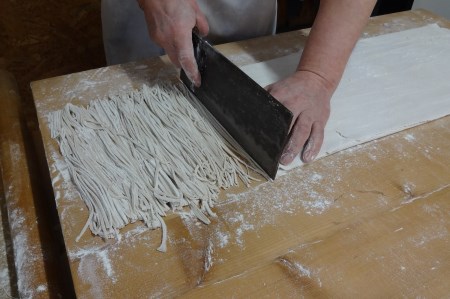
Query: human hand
{"points": [[170, 24], [308, 96]]}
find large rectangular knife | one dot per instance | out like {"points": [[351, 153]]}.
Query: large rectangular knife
{"points": [[251, 116]]}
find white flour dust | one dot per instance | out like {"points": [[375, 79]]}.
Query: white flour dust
{"points": [[91, 259], [24, 254], [16, 154], [410, 137], [94, 262], [250, 211]]}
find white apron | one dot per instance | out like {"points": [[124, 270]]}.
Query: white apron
{"points": [[126, 38]]}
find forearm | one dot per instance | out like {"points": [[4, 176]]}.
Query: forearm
{"points": [[336, 30]]}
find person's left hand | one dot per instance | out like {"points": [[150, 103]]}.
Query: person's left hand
{"points": [[308, 96]]}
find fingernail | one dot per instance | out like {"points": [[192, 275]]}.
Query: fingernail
{"points": [[194, 81], [307, 152], [197, 81], [194, 78], [309, 144], [287, 158], [308, 156]]}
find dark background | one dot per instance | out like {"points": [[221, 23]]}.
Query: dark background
{"points": [[299, 14]]}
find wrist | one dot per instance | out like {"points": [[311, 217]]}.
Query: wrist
{"points": [[317, 79]]}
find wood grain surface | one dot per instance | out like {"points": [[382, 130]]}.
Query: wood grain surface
{"points": [[370, 221], [37, 262]]}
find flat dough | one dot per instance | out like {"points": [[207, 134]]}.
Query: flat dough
{"points": [[392, 82]]}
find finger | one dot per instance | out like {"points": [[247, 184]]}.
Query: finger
{"points": [[201, 23], [185, 56], [268, 88], [189, 65], [173, 56], [314, 143], [299, 134]]}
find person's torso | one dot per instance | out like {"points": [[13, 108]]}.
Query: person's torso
{"points": [[126, 37], [231, 20]]}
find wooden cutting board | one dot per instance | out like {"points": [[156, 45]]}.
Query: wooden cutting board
{"points": [[371, 220]]}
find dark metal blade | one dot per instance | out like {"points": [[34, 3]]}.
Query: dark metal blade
{"points": [[256, 120]]}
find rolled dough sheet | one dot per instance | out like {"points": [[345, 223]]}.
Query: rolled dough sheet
{"points": [[392, 82]]}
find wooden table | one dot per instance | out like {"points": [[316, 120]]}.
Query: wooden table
{"points": [[373, 220]]}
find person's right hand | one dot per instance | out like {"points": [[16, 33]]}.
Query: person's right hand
{"points": [[170, 24]]}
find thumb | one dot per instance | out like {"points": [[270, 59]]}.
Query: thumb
{"points": [[201, 22], [189, 65], [314, 143]]}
